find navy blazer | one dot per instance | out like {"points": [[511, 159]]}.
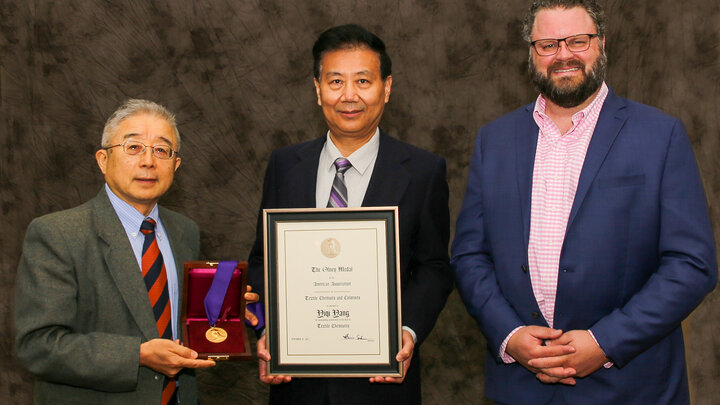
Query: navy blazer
{"points": [[415, 181], [638, 254]]}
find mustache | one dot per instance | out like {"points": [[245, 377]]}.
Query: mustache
{"points": [[565, 65]]}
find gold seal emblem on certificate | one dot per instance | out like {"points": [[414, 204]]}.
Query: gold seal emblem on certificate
{"points": [[216, 335], [330, 248]]}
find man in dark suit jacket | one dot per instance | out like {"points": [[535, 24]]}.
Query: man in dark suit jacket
{"points": [[584, 238], [84, 320], [353, 82]]}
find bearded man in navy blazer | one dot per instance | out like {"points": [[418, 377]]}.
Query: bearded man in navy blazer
{"points": [[584, 238], [352, 80]]}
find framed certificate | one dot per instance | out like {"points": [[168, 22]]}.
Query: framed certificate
{"points": [[332, 296]]}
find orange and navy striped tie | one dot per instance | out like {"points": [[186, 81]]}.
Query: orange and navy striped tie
{"points": [[153, 271]]}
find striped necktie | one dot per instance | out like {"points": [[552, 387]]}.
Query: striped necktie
{"points": [[155, 276], [338, 192]]}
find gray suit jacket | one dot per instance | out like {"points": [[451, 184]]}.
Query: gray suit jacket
{"points": [[82, 309]]}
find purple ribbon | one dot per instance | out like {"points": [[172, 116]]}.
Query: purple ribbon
{"points": [[216, 294]]}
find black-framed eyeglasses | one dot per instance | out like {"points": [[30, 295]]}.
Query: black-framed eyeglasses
{"points": [[575, 43], [134, 148]]}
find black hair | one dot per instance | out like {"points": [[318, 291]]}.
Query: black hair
{"points": [[350, 36]]}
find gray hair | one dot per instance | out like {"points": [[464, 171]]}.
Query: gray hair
{"points": [[591, 6], [133, 107]]}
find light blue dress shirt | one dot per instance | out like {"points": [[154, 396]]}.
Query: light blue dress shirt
{"points": [[131, 220]]}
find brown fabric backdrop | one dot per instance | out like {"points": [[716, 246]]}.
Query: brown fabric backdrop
{"points": [[238, 74]]}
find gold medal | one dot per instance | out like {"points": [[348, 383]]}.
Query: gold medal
{"points": [[216, 335]]}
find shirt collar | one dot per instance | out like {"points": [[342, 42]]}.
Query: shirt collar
{"points": [[541, 119], [129, 216], [361, 158]]}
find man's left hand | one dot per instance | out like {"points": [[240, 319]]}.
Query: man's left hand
{"points": [[588, 356], [251, 297], [405, 355]]}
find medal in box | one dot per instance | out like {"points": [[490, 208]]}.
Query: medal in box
{"points": [[214, 310]]}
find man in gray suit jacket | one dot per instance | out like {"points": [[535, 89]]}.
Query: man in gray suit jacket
{"points": [[85, 324]]}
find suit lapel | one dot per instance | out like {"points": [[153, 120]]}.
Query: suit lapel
{"points": [[526, 134], [175, 236], [389, 178], [123, 266], [302, 176], [612, 118]]}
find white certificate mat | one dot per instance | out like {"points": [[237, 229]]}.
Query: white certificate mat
{"points": [[333, 292]]}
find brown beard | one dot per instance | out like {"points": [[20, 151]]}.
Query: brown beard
{"points": [[569, 96]]}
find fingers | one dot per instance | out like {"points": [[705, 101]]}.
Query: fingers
{"points": [[567, 381], [404, 356], [546, 353], [197, 363], [182, 351], [554, 380], [387, 380], [557, 350], [168, 357], [562, 340], [558, 372], [263, 359], [550, 356], [408, 347], [543, 333], [262, 352], [270, 379], [188, 358], [251, 297], [250, 317]]}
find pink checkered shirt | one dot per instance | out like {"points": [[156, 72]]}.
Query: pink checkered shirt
{"points": [[559, 160]]}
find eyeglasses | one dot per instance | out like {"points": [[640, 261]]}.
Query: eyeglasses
{"points": [[134, 148], [575, 43]]}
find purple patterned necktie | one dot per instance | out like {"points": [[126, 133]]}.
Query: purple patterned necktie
{"points": [[338, 192]]}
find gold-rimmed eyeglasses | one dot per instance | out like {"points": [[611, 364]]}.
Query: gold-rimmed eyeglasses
{"points": [[134, 148], [575, 43]]}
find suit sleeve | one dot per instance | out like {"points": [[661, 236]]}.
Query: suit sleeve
{"points": [[688, 268], [472, 263], [430, 281], [50, 342], [256, 260]]}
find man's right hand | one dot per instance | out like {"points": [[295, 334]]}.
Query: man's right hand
{"points": [[168, 357], [529, 343], [263, 358]]}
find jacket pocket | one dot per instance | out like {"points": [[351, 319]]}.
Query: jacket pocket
{"points": [[624, 181]]}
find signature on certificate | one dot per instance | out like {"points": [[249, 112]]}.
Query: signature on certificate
{"points": [[348, 336]]}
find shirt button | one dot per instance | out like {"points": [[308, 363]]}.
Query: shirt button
{"points": [[535, 315], [157, 377]]}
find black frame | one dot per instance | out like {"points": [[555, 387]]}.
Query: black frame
{"points": [[387, 214]]}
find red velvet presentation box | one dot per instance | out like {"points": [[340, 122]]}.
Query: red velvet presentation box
{"points": [[197, 280]]}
